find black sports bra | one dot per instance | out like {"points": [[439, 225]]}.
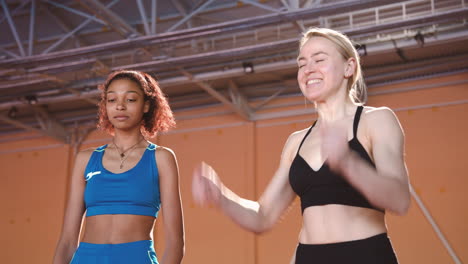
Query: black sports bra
{"points": [[324, 187]]}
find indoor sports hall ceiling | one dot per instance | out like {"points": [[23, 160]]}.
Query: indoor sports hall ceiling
{"points": [[240, 54]]}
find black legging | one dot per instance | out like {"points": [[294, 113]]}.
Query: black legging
{"points": [[372, 250]]}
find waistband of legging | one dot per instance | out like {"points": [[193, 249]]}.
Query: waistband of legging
{"points": [[378, 237], [135, 244]]}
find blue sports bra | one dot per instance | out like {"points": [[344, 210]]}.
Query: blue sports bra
{"points": [[324, 186], [135, 191]]}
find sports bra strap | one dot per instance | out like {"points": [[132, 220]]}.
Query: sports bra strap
{"points": [[357, 117], [308, 132], [151, 146]]}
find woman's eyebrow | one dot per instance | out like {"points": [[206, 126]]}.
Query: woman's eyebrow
{"points": [[315, 54]]}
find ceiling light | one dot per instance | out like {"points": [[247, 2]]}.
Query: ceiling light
{"points": [[12, 112], [32, 99], [419, 39], [248, 67], [361, 49]]}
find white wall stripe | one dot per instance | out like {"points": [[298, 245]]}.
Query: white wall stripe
{"points": [[434, 225]]}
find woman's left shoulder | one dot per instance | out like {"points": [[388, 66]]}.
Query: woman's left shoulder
{"points": [[382, 122], [164, 153], [378, 114]]}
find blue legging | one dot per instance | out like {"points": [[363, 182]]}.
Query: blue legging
{"points": [[141, 252]]}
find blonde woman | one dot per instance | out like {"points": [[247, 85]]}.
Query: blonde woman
{"points": [[348, 168]]}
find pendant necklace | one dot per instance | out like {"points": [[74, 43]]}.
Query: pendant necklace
{"points": [[123, 155]]}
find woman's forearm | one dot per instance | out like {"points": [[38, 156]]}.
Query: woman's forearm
{"points": [[64, 253], [173, 252], [383, 191], [246, 213]]}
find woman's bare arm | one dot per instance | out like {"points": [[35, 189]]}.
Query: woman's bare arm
{"points": [[256, 216], [171, 206], [74, 211]]}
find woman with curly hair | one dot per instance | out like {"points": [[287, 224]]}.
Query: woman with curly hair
{"points": [[122, 185]]}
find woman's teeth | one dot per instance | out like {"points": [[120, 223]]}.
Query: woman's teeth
{"points": [[313, 81]]}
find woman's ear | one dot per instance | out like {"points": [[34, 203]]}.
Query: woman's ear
{"points": [[350, 67]]}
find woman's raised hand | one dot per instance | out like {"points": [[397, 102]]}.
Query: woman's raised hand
{"points": [[206, 186], [334, 144]]}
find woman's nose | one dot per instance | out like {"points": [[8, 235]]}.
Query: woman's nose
{"points": [[309, 67], [120, 105]]}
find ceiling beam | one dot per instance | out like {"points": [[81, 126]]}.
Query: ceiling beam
{"points": [[154, 14], [205, 76], [207, 57], [19, 124], [9, 53], [8, 72], [65, 27], [239, 100], [53, 128], [294, 5], [434, 65], [183, 11], [72, 32], [75, 11], [141, 9], [213, 75], [23, 83], [112, 19], [32, 24], [189, 16], [269, 99], [12, 27], [209, 30], [311, 3], [18, 8], [292, 44], [213, 92], [262, 6], [80, 96], [57, 66], [50, 125]]}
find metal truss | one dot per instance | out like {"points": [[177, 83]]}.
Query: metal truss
{"points": [[197, 49]]}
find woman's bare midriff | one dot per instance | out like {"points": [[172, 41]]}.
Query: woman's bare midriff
{"points": [[338, 223], [119, 228]]}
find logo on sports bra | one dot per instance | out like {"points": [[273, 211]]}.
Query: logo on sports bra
{"points": [[91, 174]]}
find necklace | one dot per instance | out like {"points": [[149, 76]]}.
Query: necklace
{"points": [[122, 155]]}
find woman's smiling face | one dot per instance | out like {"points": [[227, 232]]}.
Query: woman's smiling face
{"points": [[322, 69]]}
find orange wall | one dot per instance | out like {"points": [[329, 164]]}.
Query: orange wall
{"points": [[32, 193], [35, 176]]}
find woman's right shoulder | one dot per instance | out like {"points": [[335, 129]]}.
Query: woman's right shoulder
{"points": [[296, 137], [292, 144], [83, 156]]}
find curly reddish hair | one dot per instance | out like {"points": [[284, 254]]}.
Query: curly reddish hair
{"points": [[159, 117]]}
